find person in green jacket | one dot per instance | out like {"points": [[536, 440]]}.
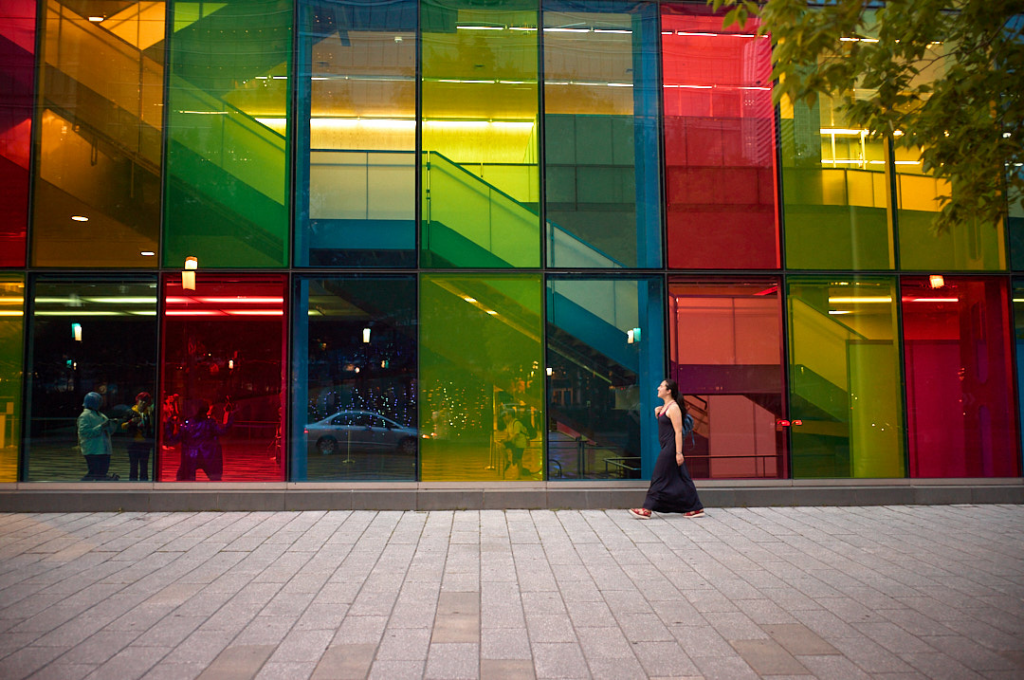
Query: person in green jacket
{"points": [[94, 430]]}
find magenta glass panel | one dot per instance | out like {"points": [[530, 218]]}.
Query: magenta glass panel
{"points": [[17, 57], [720, 180], [960, 406], [223, 385], [726, 354]]}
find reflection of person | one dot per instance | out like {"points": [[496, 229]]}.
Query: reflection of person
{"points": [[200, 443], [514, 441], [671, 488], [94, 430], [440, 419], [140, 426]]}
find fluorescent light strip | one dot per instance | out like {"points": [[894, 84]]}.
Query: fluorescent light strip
{"points": [[865, 300], [77, 313]]}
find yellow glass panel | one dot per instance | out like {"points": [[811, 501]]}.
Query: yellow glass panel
{"points": [[12, 324], [845, 378], [481, 358]]}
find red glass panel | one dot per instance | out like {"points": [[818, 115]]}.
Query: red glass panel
{"points": [[719, 143], [727, 357], [17, 57], [223, 348], [960, 408]]}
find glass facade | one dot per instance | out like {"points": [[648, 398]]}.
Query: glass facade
{"points": [[967, 246], [605, 350], [956, 347], [719, 143], [356, 175], [223, 381], [17, 69], [479, 175], [12, 303], [726, 353], [354, 385], [601, 134], [481, 357], [99, 130], [845, 380], [226, 184], [464, 241], [86, 335]]}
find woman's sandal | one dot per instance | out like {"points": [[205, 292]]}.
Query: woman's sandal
{"points": [[640, 513]]}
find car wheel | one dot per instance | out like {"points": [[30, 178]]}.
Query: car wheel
{"points": [[407, 446], [327, 445]]}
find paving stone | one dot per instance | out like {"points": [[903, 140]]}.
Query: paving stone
{"points": [[664, 659], [798, 639], [345, 662], [506, 669], [453, 661], [240, 662], [767, 657], [559, 661]]}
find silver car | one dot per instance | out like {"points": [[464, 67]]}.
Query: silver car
{"points": [[363, 431]]}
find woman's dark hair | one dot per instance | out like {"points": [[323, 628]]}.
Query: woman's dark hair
{"points": [[673, 388]]}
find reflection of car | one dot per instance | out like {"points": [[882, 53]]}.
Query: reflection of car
{"points": [[359, 431]]}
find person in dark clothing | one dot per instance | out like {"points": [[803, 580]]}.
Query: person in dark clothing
{"points": [[200, 443], [671, 488], [140, 426]]}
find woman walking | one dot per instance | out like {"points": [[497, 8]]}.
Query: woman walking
{"points": [[671, 488]]}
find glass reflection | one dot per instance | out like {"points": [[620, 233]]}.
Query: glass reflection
{"points": [[96, 197], [480, 175], [223, 379], [87, 337], [17, 62], [481, 364], [719, 142], [356, 175], [601, 134], [605, 357], [354, 395], [960, 415], [727, 355], [845, 378], [12, 302]]}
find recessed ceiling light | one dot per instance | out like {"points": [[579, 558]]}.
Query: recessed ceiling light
{"points": [[96, 20], [147, 253], [80, 218]]}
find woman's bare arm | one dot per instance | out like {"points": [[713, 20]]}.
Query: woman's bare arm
{"points": [[676, 416]]}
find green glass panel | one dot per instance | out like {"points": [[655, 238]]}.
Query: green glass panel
{"points": [[969, 245], [481, 365], [12, 303], [480, 177], [96, 189], [226, 181], [845, 378], [835, 187]]}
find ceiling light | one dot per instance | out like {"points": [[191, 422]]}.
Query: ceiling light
{"points": [[80, 218], [96, 20], [147, 253]]}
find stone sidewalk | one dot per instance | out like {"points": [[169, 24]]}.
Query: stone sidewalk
{"points": [[831, 593]]}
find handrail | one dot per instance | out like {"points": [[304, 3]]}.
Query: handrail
{"points": [[556, 228]]}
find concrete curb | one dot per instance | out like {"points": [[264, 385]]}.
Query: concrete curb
{"points": [[467, 496]]}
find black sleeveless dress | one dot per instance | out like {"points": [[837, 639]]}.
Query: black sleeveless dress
{"points": [[671, 490]]}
